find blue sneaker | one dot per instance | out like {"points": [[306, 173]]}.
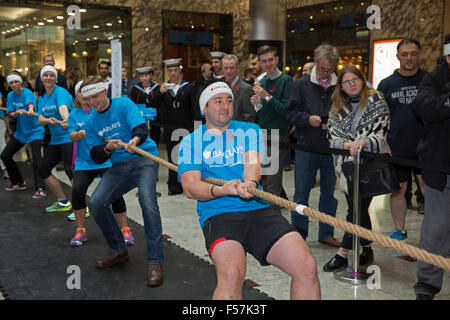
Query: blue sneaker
{"points": [[71, 216], [58, 206], [399, 235]]}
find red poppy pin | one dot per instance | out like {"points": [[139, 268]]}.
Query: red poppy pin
{"points": [[273, 90], [236, 88]]}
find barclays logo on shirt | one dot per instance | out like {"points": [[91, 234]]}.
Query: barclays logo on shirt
{"points": [[49, 108], [109, 128]]}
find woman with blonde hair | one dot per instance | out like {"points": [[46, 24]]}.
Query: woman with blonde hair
{"points": [[358, 120]]}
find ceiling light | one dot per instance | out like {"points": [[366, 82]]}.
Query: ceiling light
{"points": [[59, 17]]}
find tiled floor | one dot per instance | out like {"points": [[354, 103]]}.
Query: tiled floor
{"points": [[180, 222]]}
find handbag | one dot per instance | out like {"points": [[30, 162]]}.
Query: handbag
{"points": [[376, 177]]}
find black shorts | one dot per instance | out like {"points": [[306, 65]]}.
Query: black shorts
{"points": [[256, 230], [402, 173]]}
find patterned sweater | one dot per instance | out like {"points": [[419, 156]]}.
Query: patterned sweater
{"points": [[373, 127]]}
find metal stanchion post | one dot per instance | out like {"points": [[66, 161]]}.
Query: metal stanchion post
{"points": [[354, 274]]}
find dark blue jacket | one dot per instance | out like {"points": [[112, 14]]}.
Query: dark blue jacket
{"points": [[308, 98]]}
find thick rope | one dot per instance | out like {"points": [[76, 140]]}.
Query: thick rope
{"points": [[385, 241]]}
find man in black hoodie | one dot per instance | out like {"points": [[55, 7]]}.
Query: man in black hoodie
{"points": [[433, 105]]}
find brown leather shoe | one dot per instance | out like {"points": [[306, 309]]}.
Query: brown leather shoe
{"points": [[331, 241], [112, 258], [154, 275]]}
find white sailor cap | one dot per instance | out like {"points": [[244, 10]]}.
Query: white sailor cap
{"points": [[172, 63], [216, 54], [144, 70]]}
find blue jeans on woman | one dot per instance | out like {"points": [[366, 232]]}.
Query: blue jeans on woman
{"points": [[122, 177], [306, 166]]}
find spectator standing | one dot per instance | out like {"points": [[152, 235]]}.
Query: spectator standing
{"points": [[307, 110], [359, 120], [400, 90], [270, 99], [433, 106], [242, 91]]}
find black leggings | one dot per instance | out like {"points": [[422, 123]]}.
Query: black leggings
{"points": [[54, 154], [81, 182], [347, 240], [14, 173]]}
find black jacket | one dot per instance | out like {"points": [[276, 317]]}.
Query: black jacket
{"points": [[432, 104], [308, 98]]}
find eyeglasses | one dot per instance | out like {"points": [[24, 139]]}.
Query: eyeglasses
{"points": [[325, 70], [348, 82]]}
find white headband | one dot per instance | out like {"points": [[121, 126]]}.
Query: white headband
{"points": [[93, 89], [49, 68], [14, 77], [447, 49], [77, 86], [212, 90]]}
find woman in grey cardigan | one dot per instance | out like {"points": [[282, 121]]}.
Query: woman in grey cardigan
{"points": [[358, 120]]}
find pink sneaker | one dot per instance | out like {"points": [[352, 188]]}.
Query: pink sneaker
{"points": [[15, 187], [40, 193]]}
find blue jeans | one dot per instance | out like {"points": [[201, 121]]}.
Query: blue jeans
{"points": [[118, 180], [306, 166]]}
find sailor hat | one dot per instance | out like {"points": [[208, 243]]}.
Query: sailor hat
{"points": [[172, 63], [144, 70]]}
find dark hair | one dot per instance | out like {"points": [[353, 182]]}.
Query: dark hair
{"points": [[103, 62], [266, 49], [408, 41], [447, 39], [203, 86]]}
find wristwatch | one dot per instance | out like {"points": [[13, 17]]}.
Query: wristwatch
{"points": [[268, 98]]}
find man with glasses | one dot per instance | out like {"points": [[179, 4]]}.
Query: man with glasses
{"points": [[307, 110], [400, 90]]}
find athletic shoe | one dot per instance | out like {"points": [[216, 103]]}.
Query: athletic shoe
{"points": [[5, 174], [15, 187], [71, 216], [79, 239], [40, 193], [399, 235], [128, 236], [58, 206]]}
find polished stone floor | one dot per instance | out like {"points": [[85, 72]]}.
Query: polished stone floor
{"points": [[398, 275]]}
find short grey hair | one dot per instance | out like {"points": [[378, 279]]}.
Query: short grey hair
{"points": [[328, 52], [231, 57]]}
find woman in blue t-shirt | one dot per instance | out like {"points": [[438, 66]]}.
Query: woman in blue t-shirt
{"points": [[85, 171], [54, 104], [2, 137], [21, 105]]}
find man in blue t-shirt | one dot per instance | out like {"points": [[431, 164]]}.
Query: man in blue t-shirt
{"points": [[233, 221], [400, 90], [119, 120]]}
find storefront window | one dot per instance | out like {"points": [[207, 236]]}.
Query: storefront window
{"points": [[30, 30], [342, 24], [193, 35]]}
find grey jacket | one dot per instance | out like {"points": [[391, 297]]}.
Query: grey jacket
{"points": [[243, 110]]}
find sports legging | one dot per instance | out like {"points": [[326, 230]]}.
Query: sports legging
{"points": [[13, 170], [82, 179], [53, 154]]}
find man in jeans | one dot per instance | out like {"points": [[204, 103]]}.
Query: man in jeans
{"points": [[120, 120], [307, 110], [433, 106]]}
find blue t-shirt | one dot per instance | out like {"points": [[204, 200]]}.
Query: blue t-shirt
{"points": [[28, 127], [49, 107], [221, 157], [117, 122], [2, 113], [83, 161]]}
